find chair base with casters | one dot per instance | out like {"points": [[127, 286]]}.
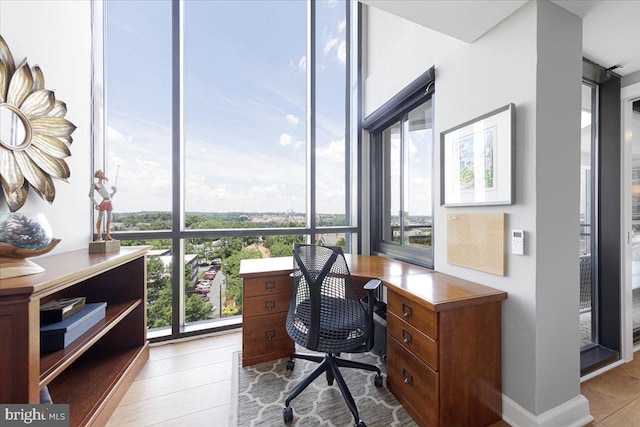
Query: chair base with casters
{"points": [[329, 365]]}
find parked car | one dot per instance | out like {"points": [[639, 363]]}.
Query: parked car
{"points": [[209, 275], [206, 283], [202, 290]]}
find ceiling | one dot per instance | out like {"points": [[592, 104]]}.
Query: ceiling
{"points": [[611, 28]]}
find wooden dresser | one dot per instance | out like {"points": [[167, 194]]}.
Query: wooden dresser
{"points": [[265, 303], [444, 345], [93, 372], [444, 353]]}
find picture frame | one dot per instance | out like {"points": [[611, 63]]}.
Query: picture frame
{"points": [[478, 160]]}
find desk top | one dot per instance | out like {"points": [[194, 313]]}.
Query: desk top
{"points": [[436, 291]]}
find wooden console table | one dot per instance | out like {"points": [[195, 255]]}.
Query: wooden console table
{"points": [[94, 371], [443, 335]]}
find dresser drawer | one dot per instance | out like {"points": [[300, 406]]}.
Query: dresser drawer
{"points": [[412, 382], [266, 285], [264, 334], [412, 339], [418, 316], [265, 304]]}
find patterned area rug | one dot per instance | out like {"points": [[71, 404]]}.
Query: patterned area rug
{"points": [[259, 392]]}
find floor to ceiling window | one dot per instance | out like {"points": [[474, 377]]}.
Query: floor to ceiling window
{"points": [[633, 137], [226, 134], [588, 226], [599, 255]]}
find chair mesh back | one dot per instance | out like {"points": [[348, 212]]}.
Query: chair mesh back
{"points": [[325, 313]]}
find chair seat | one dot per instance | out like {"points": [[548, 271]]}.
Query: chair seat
{"points": [[332, 325]]}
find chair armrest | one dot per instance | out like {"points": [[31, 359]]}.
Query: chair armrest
{"points": [[372, 285]]}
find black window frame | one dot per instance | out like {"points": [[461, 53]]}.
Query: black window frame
{"points": [[395, 110], [179, 233]]}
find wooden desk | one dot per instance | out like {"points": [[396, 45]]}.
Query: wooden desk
{"points": [[443, 335]]}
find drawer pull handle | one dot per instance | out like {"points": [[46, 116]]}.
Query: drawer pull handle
{"points": [[269, 335], [407, 311], [269, 305], [408, 378], [406, 336], [270, 286]]}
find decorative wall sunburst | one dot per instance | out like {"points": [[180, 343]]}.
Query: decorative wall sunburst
{"points": [[34, 135]]}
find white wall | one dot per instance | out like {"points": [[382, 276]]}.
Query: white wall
{"points": [[631, 79], [559, 85], [57, 36], [531, 59]]}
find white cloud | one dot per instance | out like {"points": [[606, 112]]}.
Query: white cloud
{"points": [[342, 25], [142, 185], [285, 140], [333, 152], [341, 52], [337, 46], [117, 137], [294, 120], [227, 178], [300, 66], [329, 45]]}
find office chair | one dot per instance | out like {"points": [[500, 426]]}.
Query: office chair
{"points": [[326, 315]]}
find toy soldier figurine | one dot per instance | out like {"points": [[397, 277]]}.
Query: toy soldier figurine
{"points": [[104, 205]]}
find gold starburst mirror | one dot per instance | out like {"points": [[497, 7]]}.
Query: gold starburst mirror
{"points": [[34, 135]]}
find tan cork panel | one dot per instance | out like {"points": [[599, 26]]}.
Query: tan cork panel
{"points": [[477, 241]]}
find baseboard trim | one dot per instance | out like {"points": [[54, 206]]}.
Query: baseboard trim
{"points": [[573, 413]]}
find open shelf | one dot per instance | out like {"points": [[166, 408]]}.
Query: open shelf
{"points": [[89, 382], [53, 363], [94, 371]]}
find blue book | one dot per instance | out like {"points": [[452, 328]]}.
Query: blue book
{"points": [[57, 336]]}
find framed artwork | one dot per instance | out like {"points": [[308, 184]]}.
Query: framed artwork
{"points": [[477, 160]]}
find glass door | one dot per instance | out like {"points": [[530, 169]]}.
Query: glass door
{"points": [[599, 256], [634, 136], [587, 250]]}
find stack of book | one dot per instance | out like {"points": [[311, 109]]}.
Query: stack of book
{"points": [[58, 310], [63, 321]]}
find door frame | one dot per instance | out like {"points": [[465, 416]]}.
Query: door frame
{"points": [[628, 94]]}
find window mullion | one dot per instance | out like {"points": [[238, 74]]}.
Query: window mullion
{"points": [[311, 119], [403, 176], [177, 172]]}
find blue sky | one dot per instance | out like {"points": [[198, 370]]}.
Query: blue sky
{"points": [[245, 95]]}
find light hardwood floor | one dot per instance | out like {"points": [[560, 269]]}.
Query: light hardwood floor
{"points": [[188, 383], [614, 397], [183, 384]]}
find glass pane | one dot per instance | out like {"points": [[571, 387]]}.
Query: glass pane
{"points": [[244, 108], [586, 218], [335, 239], [159, 265], [330, 131], [138, 115], [203, 282], [417, 197], [213, 288], [391, 147], [635, 217]]}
